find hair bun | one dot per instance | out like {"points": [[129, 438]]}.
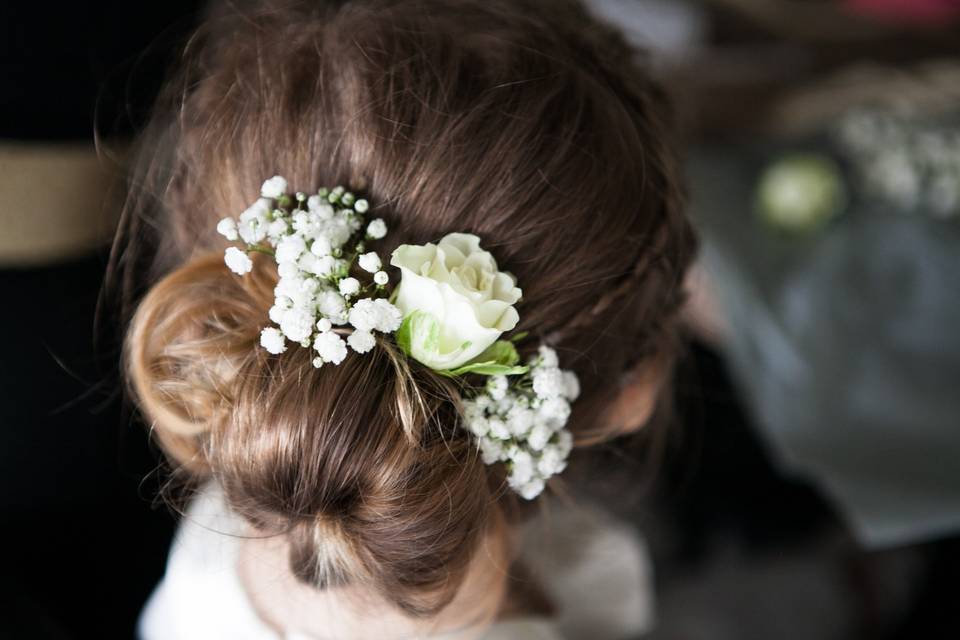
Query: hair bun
{"points": [[364, 465], [188, 338]]}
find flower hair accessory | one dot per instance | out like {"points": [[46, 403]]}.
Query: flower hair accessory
{"points": [[448, 312], [522, 424], [316, 241]]}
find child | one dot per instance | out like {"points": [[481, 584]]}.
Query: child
{"points": [[361, 503]]}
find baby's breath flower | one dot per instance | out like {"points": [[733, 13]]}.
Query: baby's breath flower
{"points": [[297, 324], [319, 206], [306, 224], [287, 270], [332, 305], [361, 206], [554, 411], [370, 262], [521, 466], [228, 229], [361, 341], [491, 451], [338, 231], [552, 461], [532, 489], [321, 246], [388, 316], [307, 262], [539, 437], [276, 313], [324, 265], [548, 382], [290, 248], [238, 261], [520, 420], [478, 426], [254, 222], [506, 403], [381, 278], [324, 324], [497, 387], [571, 386], [498, 429], [274, 187], [548, 357], [349, 286], [482, 402], [330, 346], [272, 340], [523, 424], [379, 315], [277, 229], [377, 229], [363, 315]]}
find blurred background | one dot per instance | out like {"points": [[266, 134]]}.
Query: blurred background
{"points": [[809, 486]]}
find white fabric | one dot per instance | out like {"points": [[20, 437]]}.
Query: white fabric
{"points": [[596, 572]]}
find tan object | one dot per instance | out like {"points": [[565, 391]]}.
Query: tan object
{"points": [[57, 201]]}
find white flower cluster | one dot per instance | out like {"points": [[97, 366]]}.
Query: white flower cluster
{"points": [[907, 162], [315, 241], [521, 421]]}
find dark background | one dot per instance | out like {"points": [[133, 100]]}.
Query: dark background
{"points": [[83, 538]]}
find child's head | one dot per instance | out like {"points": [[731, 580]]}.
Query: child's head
{"points": [[525, 123]]}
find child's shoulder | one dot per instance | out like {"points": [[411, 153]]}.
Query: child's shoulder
{"points": [[201, 595], [593, 569]]}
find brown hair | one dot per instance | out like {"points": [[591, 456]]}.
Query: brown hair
{"points": [[527, 123]]}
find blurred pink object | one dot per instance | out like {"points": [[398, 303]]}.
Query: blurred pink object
{"points": [[928, 12]]}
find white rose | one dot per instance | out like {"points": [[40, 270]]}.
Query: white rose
{"points": [[458, 284]]}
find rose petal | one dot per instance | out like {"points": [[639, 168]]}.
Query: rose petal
{"points": [[412, 257], [498, 315], [505, 288], [458, 246]]}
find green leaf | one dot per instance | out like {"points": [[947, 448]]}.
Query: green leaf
{"points": [[421, 331], [501, 352], [488, 369], [498, 359], [402, 335], [517, 337]]}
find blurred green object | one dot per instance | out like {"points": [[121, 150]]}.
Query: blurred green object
{"points": [[801, 192]]}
